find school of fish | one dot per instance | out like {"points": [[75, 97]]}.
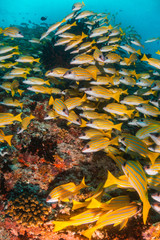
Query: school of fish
{"points": [[112, 93]]}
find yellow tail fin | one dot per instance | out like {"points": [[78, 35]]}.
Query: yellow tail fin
{"points": [[144, 58], [139, 52], [59, 225], [116, 96], [8, 139], [47, 82], [18, 118], [153, 156], [1, 30], [51, 101], [146, 207], [118, 126], [111, 180], [37, 60]]}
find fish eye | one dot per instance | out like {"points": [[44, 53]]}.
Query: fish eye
{"points": [[77, 119], [123, 139], [49, 197], [140, 105], [73, 59], [64, 110], [87, 146], [140, 120], [20, 33], [106, 57], [153, 85], [138, 80], [83, 134], [122, 78], [69, 72], [89, 89]]}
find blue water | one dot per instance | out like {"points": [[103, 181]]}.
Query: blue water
{"points": [[143, 15]]}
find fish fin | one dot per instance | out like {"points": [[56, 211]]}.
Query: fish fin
{"points": [[20, 91], [83, 3], [21, 105], [127, 60], [139, 52], [8, 139], [59, 225], [83, 123], [82, 184], [84, 35], [51, 101], [94, 204], [74, 24], [111, 180], [18, 118], [153, 156], [37, 60], [118, 126], [144, 58], [116, 96], [77, 205], [64, 20], [123, 223], [129, 113], [114, 141], [47, 82], [84, 98], [88, 233], [146, 207]]}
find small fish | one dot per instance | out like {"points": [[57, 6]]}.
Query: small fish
{"points": [[136, 145], [117, 108], [93, 115], [154, 148], [60, 107], [71, 103], [101, 92], [77, 6], [43, 18], [65, 28], [137, 178], [25, 122], [64, 191], [35, 81], [128, 48], [144, 82], [27, 59], [103, 124], [77, 74], [84, 14], [118, 216], [56, 72], [146, 131], [82, 59], [73, 118], [133, 100], [112, 58], [8, 118], [100, 31], [92, 133], [54, 26], [12, 102], [99, 143], [127, 80], [151, 61], [12, 32], [7, 49], [147, 109], [40, 89]]}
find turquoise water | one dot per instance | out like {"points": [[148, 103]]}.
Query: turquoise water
{"points": [[143, 15]]}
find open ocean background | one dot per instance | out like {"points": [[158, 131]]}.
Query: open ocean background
{"points": [[143, 15]]}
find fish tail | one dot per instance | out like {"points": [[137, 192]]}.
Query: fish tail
{"points": [[82, 184], [118, 126], [20, 91], [111, 180], [37, 60], [139, 52], [83, 3], [129, 113], [47, 82], [144, 58], [153, 156], [88, 233], [116, 96], [77, 205], [84, 98], [146, 207], [114, 141], [18, 118], [64, 20], [83, 123], [51, 101], [16, 47], [84, 35], [94, 204], [21, 105], [8, 139], [74, 24], [59, 225], [127, 60], [13, 93]]}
